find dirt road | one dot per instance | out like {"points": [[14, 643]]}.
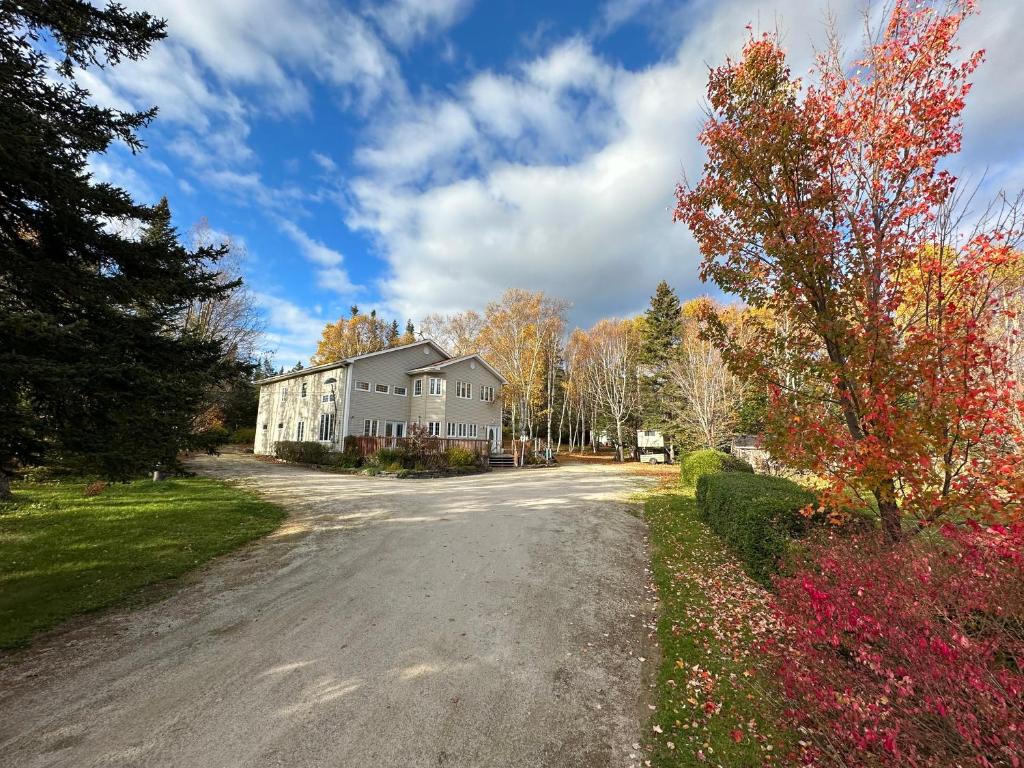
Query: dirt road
{"points": [[493, 620]]}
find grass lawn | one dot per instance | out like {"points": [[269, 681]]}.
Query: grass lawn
{"points": [[63, 554], [714, 703]]}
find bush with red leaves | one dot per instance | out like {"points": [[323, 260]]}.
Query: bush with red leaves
{"points": [[909, 654]]}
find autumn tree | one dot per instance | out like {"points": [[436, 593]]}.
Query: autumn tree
{"points": [[358, 334], [611, 355], [459, 332], [518, 334], [703, 398], [816, 203]]}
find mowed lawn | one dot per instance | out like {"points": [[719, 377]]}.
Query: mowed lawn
{"points": [[62, 553], [715, 700]]}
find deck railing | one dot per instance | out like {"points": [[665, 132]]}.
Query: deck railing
{"points": [[367, 446]]}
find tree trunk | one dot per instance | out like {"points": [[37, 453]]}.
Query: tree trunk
{"points": [[5, 488], [892, 526], [618, 441]]}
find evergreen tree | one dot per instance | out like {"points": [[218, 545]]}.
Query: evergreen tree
{"points": [[664, 327], [393, 333], [95, 366], [663, 333]]}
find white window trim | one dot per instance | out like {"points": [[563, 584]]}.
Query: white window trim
{"points": [[450, 429], [363, 386], [371, 427], [440, 387], [417, 385], [300, 431], [378, 391], [434, 428], [403, 393]]}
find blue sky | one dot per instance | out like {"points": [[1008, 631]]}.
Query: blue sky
{"points": [[421, 156]]}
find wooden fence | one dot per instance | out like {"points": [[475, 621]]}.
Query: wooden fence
{"points": [[367, 446]]}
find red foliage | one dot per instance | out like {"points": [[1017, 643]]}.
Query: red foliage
{"points": [[909, 655], [826, 208]]}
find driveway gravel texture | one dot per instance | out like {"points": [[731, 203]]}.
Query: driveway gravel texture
{"points": [[490, 620]]}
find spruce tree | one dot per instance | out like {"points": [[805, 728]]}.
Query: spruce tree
{"points": [[663, 333], [94, 366]]}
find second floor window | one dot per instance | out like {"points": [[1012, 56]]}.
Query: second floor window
{"points": [[303, 389], [381, 388], [327, 398], [435, 386], [463, 389], [363, 386], [487, 394], [417, 388]]}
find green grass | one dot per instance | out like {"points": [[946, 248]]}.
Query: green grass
{"points": [[714, 703], [63, 554]]}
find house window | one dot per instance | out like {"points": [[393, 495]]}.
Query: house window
{"points": [[363, 386], [327, 398], [326, 432], [434, 428], [300, 430], [435, 386], [400, 391], [370, 427], [487, 394], [464, 389], [303, 389], [264, 425], [381, 389], [472, 430], [463, 430], [417, 388], [451, 429], [394, 429]]}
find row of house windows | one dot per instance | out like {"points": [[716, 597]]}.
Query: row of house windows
{"points": [[462, 429], [382, 428], [382, 389]]}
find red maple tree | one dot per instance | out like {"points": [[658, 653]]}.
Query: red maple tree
{"points": [[827, 210]]}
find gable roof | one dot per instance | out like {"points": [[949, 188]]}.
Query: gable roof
{"points": [[436, 367], [349, 360]]}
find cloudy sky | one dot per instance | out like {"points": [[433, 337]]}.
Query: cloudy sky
{"points": [[424, 155]]}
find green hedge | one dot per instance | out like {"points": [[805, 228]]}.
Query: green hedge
{"points": [[302, 452], [757, 515], [696, 464]]}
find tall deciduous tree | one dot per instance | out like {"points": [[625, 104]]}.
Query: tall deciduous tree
{"points": [[93, 367], [459, 333], [703, 397], [828, 206], [358, 334]]}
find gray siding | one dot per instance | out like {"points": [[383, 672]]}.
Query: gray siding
{"points": [[472, 410], [282, 407], [389, 369]]}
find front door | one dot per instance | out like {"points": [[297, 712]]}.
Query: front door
{"points": [[494, 437]]}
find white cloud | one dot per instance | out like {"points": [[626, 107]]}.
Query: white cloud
{"points": [[559, 174], [292, 331], [331, 276], [404, 21]]}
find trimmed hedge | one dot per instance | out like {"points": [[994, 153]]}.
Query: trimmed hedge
{"points": [[304, 452], [757, 515], [696, 464]]}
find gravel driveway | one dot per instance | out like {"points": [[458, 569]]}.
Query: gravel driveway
{"points": [[495, 620]]}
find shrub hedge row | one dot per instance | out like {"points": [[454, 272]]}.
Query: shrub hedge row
{"points": [[756, 515], [312, 452], [696, 464]]}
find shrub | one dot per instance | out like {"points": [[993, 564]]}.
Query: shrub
{"points": [[755, 514], [907, 654], [302, 452], [209, 439], [347, 459], [243, 436], [696, 464], [95, 488], [461, 457], [388, 459]]}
